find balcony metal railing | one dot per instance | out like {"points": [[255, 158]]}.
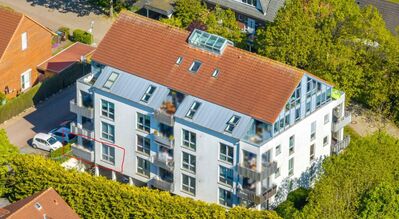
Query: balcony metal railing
{"points": [[82, 152], [267, 170], [81, 110], [163, 140], [338, 146], [161, 184], [251, 195], [342, 122], [164, 117], [85, 131], [167, 164]]}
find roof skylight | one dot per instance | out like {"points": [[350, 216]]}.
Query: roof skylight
{"points": [[209, 42], [148, 93], [232, 123], [193, 109], [195, 66], [111, 80], [179, 60], [215, 73]]}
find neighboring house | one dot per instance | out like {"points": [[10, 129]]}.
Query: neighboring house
{"points": [[388, 10], [191, 114], [252, 13], [155, 9], [68, 57], [42, 205], [24, 44]]}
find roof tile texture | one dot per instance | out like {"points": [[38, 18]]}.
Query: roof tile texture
{"points": [[9, 21], [247, 83]]}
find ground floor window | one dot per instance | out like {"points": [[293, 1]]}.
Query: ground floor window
{"points": [[25, 79], [108, 153], [188, 184], [143, 167], [225, 198]]}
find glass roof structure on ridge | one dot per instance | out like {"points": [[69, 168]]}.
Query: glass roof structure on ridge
{"points": [[209, 42]]}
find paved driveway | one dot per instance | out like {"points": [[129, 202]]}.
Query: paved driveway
{"points": [[43, 118]]}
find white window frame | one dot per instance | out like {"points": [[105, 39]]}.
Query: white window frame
{"points": [[313, 127], [195, 62], [291, 166], [226, 178], [142, 146], [189, 143], [226, 157], [325, 142], [107, 135], [190, 187], [26, 84], [108, 109], [142, 170], [278, 150], [312, 153], [108, 154], [193, 109], [143, 126], [291, 146], [24, 41], [148, 93], [326, 118], [232, 123], [111, 80], [189, 162], [223, 200]]}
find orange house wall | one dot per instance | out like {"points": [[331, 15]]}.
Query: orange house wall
{"points": [[15, 61]]}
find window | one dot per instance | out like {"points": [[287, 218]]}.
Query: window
{"points": [[326, 118], [311, 153], [226, 153], [226, 175], [291, 167], [313, 131], [325, 141], [111, 80], [179, 60], [143, 122], [108, 153], [143, 167], [24, 40], [107, 109], [38, 205], [250, 2], [308, 106], [225, 198], [193, 109], [25, 79], [291, 144], [148, 93], [108, 131], [232, 123], [189, 139], [188, 184], [278, 150], [188, 162], [195, 66], [143, 144], [215, 73], [297, 113], [277, 173]]}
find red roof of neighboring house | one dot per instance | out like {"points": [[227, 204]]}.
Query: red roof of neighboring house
{"points": [[247, 83], [66, 58], [46, 203]]}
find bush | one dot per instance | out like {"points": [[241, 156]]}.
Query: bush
{"points": [[66, 32], [61, 154], [296, 200], [82, 36], [98, 197]]}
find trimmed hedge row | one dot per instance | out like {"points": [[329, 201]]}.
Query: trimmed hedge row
{"points": [[98, 197], [42, 91], [82, 36]]}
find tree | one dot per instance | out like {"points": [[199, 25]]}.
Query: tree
{"points": [[7, 150]]}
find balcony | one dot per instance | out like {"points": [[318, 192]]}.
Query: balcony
{"points": [[341, 122], [338, 146], [166, 141], [257, 199], [160, 184], [82, 152], [267, 170], [164, 117], [165, 162], [87, 130], [87, 112]]}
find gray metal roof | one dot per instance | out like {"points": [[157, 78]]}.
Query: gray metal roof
{"points": [[132, 87], [213, 117], [268, 10]]}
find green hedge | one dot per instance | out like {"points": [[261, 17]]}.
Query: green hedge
{"points": [[82, 36], [98, 197], [42, 91]]}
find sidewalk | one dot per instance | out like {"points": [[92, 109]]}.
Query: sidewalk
{"points": [[70, 13]]}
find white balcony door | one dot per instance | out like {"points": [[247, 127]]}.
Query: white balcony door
{"points": [[250, 25], [25, 79]]}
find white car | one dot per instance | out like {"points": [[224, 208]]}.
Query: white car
{"points": [[46, 142]]}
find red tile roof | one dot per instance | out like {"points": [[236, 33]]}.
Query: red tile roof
{"points": [[247, 83], [9, 21], [66, 58], [51, 205]]}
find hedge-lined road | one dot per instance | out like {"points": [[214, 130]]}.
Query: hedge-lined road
{"points": [[43, 118]]}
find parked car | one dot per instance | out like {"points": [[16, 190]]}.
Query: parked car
{"points": [[63, 135], [45, 142]]}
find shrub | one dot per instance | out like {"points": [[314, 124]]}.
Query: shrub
{"points": [[66, 32], [98, 197], [82, 36], [3, 98]]}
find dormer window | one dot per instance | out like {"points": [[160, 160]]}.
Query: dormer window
{"points": [[148, 93], [195, 66], [111, 80], [193, 109], [179, 60], [232, 123], [215, 73]]}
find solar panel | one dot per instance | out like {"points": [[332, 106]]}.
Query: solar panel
{"points": [[209, 42]]}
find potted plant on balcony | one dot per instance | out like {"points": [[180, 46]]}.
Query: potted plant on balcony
{"points": [[169, 107]]}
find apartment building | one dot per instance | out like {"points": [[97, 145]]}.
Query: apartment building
{"points": [[189, 113]]}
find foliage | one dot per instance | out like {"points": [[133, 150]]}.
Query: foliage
{"points": [[61, 154], [66, 31], [339, 42], [117, 5], [358, 182], [296, 200], [98, 197], [190, 14], [6, 150], [82, 36], [2, 98]]}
